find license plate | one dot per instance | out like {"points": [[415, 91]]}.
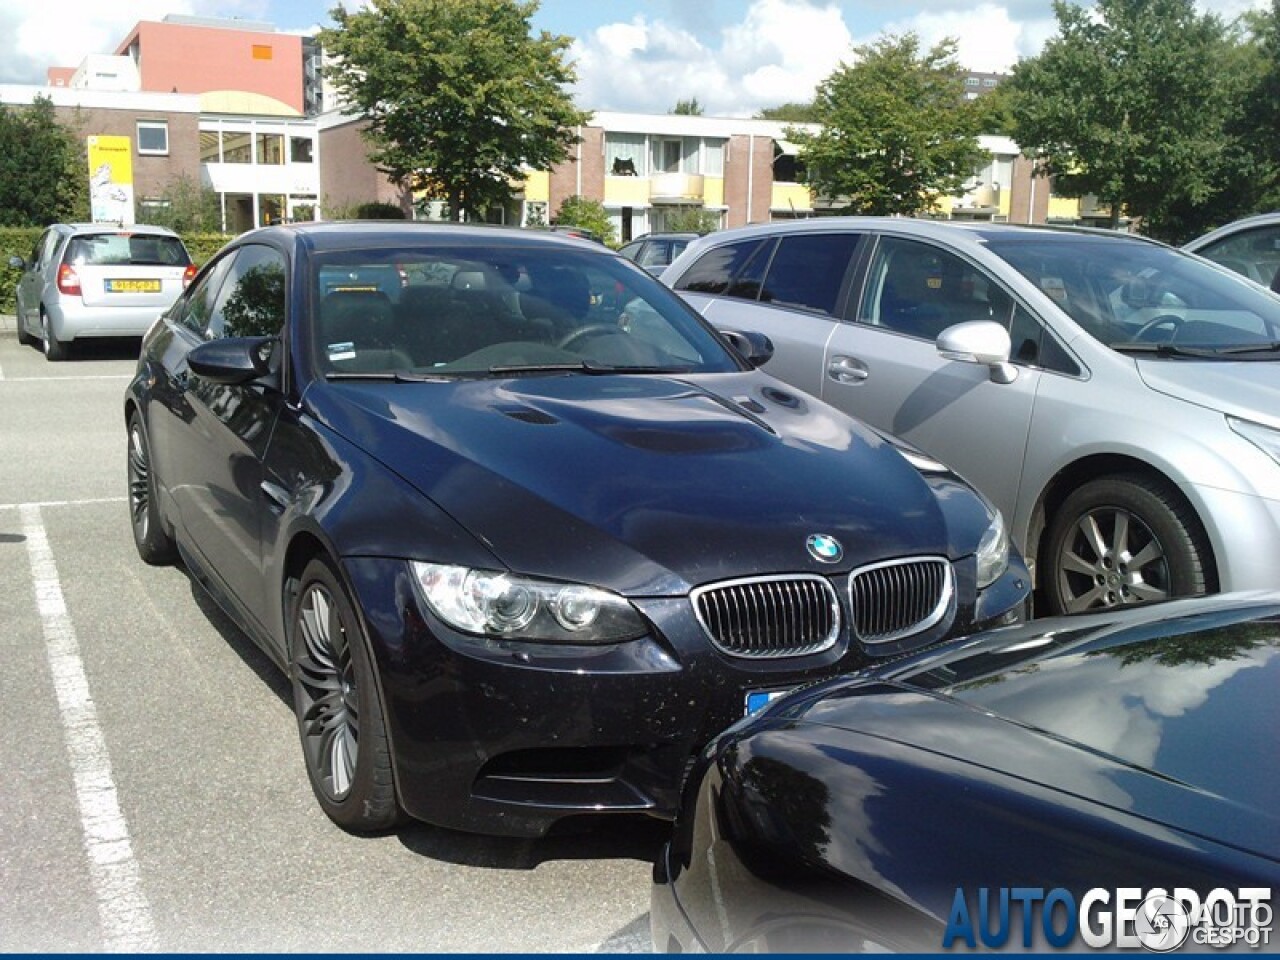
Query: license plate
{"points": [[758, 699], [133, 286]]}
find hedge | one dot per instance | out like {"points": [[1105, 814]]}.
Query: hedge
{"points": [[21, 241]]}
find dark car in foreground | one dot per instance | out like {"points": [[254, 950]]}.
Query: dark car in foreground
{"points": [[1125, 751], [519, 562]]}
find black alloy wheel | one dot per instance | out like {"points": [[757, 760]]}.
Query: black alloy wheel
{"points": [[154, 544], [344, 741], [1123, 540]]}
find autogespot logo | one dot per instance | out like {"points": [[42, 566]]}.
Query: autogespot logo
{"points": [[1126, 918], [824, 547]]}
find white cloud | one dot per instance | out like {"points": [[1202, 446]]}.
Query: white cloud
{"points": [[988, 38], [778, 53], [62, 33]]}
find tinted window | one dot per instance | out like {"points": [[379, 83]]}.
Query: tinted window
{"points": [[735, 268], [808, 272], [135, 249], [251, 301], [475, 311], [194, 311]]}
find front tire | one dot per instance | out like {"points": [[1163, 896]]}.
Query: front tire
{"points": [[340, 721], [154, 544], [1124, 540]]}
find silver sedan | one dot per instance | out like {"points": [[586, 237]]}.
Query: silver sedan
{"points": [[1116, 398]]}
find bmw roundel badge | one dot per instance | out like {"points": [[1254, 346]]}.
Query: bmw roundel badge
{"points": [[824, 548]]}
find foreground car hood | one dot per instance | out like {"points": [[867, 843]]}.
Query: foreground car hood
{"points": [[1249, 390], [1178, 728], [646, 484]]}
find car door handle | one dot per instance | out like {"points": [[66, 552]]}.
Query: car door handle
{"points": [[847, 370]]}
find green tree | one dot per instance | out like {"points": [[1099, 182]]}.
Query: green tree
{"points": [[1252, 142], [44, 175], [692, 220], [188, 207], [1129, 103], [790, 113], [688, 108], [897, 133], [458, 94], [589, 214]]}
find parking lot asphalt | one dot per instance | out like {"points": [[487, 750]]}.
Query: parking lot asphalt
{"points": [[156, 797]]}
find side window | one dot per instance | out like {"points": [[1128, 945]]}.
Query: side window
{"points": [[194, 310], [251, 301], [735, 269], [920, 290], [45, 247], [1254, 254], [808, 272], [1035, 346]]}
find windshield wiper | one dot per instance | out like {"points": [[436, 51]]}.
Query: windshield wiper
{"points": [[1235, 352], [1165, 350], [1247, 348], [581, 366], [388, 376]]}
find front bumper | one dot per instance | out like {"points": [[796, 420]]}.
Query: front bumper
{"points": [[507, 737]]}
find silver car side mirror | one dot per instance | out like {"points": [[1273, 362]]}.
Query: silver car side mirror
{"points": [[979, 341]]}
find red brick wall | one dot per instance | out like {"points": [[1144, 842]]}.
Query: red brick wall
{"points": [[1026, 205], [586, 161], [151, 174], [347, 176]]}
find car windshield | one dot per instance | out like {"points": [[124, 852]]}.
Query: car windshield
{"points": [[1140, 297], [131, 249], [503, 310]]}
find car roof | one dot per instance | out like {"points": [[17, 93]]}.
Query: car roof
{"points": [[84, 229], [947, 230], [1236, 226], [369, 234]]}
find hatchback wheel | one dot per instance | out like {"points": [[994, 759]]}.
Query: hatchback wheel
{"points": [[340, 720], [1123, 540], [55, 350], [24, 339], [154, 544]]}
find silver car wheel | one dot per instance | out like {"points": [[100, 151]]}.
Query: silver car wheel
{"points": [[1112, 559]]}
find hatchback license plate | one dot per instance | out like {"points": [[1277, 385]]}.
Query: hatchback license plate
{"points": [[757, 700], [133, 286]]}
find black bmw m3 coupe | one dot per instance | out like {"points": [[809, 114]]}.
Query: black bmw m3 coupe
{"points": [[523, 531]]}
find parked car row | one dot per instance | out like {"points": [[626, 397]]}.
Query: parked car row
{"points": [[533, 536]]}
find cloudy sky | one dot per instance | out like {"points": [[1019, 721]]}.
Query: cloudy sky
{"points": [[734, 56]]}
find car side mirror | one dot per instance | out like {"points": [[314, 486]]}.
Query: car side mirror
{"points": [[17, 263], [979, 341], [233, 360], [753, 347]]}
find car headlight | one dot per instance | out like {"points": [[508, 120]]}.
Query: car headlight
{"points": [[1264, 438], [498, 604], [993, 552]]}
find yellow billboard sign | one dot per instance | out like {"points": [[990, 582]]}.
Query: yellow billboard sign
{"points": [[111, 179]]}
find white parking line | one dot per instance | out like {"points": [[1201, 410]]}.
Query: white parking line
{"points": [[123, 909], [86, 376], [42, 504]]}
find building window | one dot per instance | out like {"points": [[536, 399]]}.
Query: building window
{"points": [[262, 51], [237, 148], [209, 149], [972, 82], [153, 137], [988, 82], [624, 154], [270, 148], [301, 150]]}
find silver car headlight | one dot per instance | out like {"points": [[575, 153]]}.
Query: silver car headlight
{"points": [[993, 552], [1264, 438], [498, 604]]}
